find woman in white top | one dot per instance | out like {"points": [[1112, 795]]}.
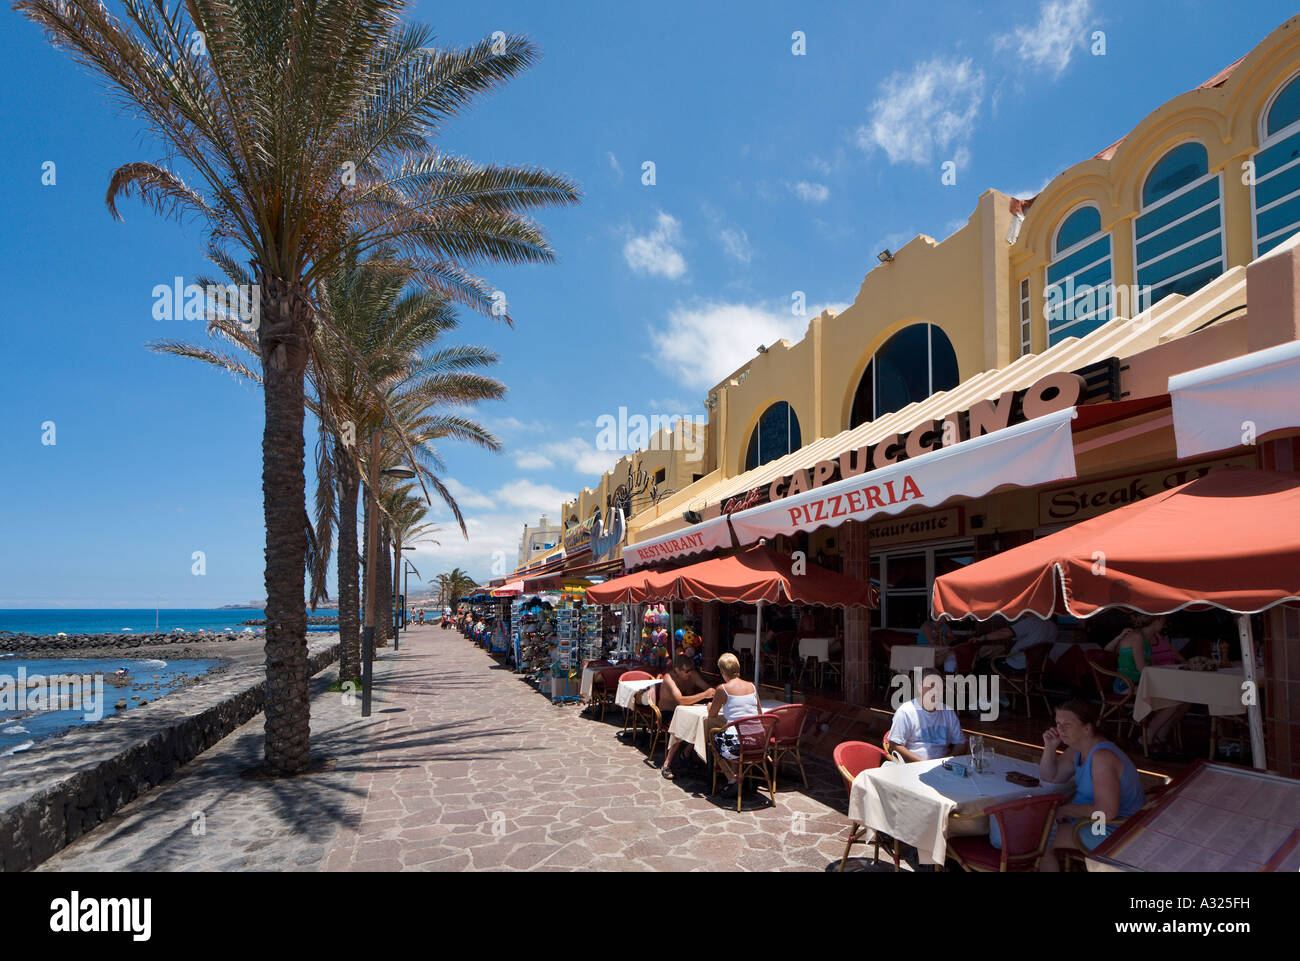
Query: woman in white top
{"points": [[734, 698]]}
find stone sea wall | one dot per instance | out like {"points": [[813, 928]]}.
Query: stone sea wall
{"points": [[64, 786]]}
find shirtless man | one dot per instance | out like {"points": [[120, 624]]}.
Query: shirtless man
{"points": [[682, 685]]}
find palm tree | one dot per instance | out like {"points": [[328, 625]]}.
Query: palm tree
{"points": [[452, 585], [299, 121], [404, 515], [394, 337]]}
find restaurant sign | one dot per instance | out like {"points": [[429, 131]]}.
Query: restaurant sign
{"points": [[931, 525], [1065, 505], [1055, 392]]}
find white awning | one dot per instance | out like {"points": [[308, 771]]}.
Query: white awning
{"points": [[1233, 403], [708, 536], [1038, 451]]}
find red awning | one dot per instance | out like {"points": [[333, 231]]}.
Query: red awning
{"points": [[1230, 539], [757, 574], [619, 590], [513, 589]]}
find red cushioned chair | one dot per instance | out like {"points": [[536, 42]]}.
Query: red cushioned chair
{"points": [[1025, 824], [792, 723], [852, 758], [603, 686], [755, 734], [646, 714], [630, 716]]}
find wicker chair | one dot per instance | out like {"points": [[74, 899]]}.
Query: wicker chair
{"points": [[1116, 707], [1025, 825], [778, 659], [1028, 683], [792, 722], [852, 758], [755, 734], [648, 714]]}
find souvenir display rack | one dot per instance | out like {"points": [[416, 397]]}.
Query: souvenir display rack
{"points": [[566, 666], [533, 639]]}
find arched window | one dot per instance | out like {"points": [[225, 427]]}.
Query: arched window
{"points": [[776, 435], [910, 366], [1080, 278], [1179, 233], [1276, 186]]}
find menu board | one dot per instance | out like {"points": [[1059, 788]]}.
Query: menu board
{"points": [[1218, 818]]}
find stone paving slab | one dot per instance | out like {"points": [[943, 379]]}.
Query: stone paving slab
{"points": [[463, 766]]}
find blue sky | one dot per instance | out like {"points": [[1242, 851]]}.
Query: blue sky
{"points": [[774, 173]]}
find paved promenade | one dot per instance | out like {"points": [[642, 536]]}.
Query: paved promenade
{"points": [[462, 766]]}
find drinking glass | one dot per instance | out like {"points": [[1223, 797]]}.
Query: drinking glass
{"points": [[990, 757], [977, 753]]}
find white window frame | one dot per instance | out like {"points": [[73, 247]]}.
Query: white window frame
{"points": [[1070, 251], [929, 550], [1026, 319], [1265, 142], [1222, 258]]}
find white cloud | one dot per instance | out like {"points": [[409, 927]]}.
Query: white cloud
{"points": [[532, 496], [614, 165], [532, 460], [813, 193], [735, 243], [655, 253], [925, 113], [1049, 44], [702, 343], [466, 498]]}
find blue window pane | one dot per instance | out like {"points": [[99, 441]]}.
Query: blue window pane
{"points": [[1268, 245], [1277, 186], [1187, 285], [1283, 215], [1079, 226], [1206, 193], [1286, 108], [1081, 329], [1194, 256], [1089, 301], [902, 371], [777, 434], [1080, 258], [943, 361], [1281, 153], [1176, 170], [1203, 223], [864, 401]]}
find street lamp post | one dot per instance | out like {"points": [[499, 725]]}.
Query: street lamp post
{"points": [[401, 473], [407, 567]]}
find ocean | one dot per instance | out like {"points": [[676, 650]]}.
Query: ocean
{"points": [[116, 620]]}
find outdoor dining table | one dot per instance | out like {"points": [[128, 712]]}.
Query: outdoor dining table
{"points": [[688, 724], [913, 802], [627, 690], [588, 675], [743, 641], [905, 657], [818, 647], [1219, 690]]}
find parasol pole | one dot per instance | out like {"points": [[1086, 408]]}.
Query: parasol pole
{"points": [[758, 644], [1256, 719]]}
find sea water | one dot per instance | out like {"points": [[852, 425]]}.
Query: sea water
{"points": [[146, 679], [119, 621]]}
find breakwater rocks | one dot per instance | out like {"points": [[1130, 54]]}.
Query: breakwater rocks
{"points": [[52, 795], [313, 620], [75, 642]]}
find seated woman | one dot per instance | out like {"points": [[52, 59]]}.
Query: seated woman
{"points": [[1106, 782], [733, 699], [1137, 648], [682, 685]]}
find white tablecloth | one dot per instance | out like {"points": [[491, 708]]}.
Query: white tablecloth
{"points": [[913, 802], [1219, 690], [688, 724], [584, 689], [742, 641], [818, 647], [629, 689], [904, 657]]}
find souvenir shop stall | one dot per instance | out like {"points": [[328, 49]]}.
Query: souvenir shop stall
{"points": [[532, 619], [666, 632]]}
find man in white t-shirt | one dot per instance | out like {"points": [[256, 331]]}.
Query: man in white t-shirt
{"points": [[925, 728], [1028, 630]]}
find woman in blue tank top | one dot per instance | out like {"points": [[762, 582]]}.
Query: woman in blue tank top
{"points": [[1106, 782]]}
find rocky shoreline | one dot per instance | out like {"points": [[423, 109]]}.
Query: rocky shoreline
{"points": [[118, 643], [313, 620]]}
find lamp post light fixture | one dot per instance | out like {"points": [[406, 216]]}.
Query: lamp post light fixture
{"points": [[400, 473]]}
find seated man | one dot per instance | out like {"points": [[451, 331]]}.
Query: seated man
{"points": [[682, 685], [925, 728], [1027, 630]]}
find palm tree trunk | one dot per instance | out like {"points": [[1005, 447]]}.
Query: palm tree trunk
{"points": [[349, 575], [284, 334], [383, 593]]}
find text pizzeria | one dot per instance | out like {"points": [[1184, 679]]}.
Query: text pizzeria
{"points": [[854, 502]]}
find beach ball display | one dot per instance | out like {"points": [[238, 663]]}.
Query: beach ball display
{"points": [[679, 635]]}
